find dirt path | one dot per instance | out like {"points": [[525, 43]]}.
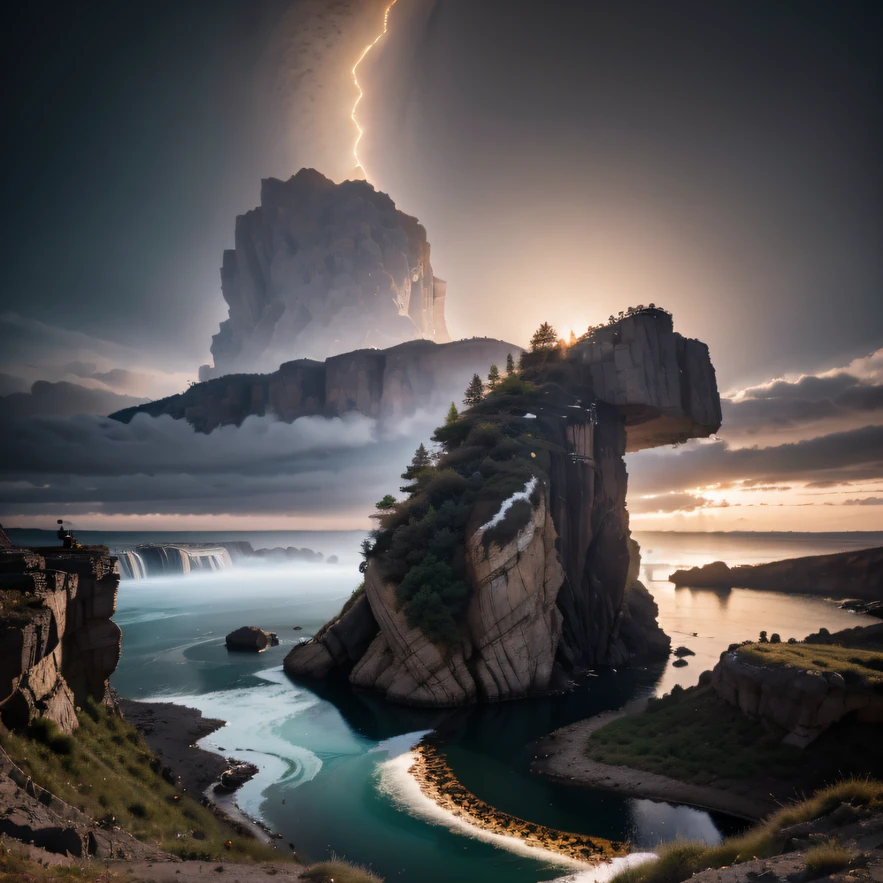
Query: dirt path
{"points": [[561, 756]]}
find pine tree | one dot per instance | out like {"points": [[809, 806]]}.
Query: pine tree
{"points": [[388, 502], [510, 364], [544, 338], [453, 415], [493, 377], [419, 462], [572, 340], [474, 392]]}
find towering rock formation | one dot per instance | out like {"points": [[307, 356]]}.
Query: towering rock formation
{"points": [[58, 643], [319, 269], [389, 383], [550, 570]]}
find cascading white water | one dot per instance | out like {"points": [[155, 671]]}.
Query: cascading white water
{"points": [[166, 559], [132, 565]]}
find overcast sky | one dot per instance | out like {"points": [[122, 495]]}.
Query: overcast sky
{"points": [[567, 158]]}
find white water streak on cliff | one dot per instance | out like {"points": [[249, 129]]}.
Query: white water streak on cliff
{"points": [[508, 504], [402, 788]]}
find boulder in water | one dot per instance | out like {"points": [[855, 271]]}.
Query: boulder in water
{"points": [[251, 639]]}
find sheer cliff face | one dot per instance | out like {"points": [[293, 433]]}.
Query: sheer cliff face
{"points": [[319, 269], [58, 644], [385, 384], [557, 591]]}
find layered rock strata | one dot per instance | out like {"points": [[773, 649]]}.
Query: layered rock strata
{"points": [[321, 268], [800, 702], [58, 644], [385, 384], [555, 590]]}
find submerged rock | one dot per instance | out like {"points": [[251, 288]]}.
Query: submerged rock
{"points": [[251, 639]]}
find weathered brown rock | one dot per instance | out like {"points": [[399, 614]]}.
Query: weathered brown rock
{"points": [[251, 639], [321, 268], [58, 644], [799, 702], [854, 574]]}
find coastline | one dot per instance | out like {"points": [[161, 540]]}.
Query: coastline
{"points": [[172, 732], [561, 756]]}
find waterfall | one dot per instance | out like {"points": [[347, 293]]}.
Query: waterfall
{"points": [[131, 564], [164, 559]]}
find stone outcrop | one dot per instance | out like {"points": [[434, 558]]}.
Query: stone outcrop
{"points": [[386, 384], [251, 639], [58, 644], [321, 268], [552, 582], [799, 702], [856, 574], [663, 384], [35, 816]]}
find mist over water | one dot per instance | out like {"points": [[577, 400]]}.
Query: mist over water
{"points": [[333, 763]]}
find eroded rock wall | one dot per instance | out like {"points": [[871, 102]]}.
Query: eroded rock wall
{"points": [[800, 703], [321, 268], [386, 384], [58, 644]]}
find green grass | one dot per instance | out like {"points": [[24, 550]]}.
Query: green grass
{"points": [[679, 860], [339, 871], [856, 666], [109, 770], [694, 736]]}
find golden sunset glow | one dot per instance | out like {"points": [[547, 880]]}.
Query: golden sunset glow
{"points": [[360, 95]]}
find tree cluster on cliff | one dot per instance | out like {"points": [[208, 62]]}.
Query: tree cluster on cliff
{"points": [[488, 453]]}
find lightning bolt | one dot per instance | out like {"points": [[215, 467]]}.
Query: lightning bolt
{"points": [[361, 94]]}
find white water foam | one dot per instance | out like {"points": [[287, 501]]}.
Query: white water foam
{"points": [[397, 783], [602, 873], [252, 715], [508, 504]]}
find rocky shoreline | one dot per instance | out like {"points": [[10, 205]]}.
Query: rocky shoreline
{"points": [[172, 732], [438, 782], [561, 756]]}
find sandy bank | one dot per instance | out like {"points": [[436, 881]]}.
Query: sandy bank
{"points": [[561, 756]]}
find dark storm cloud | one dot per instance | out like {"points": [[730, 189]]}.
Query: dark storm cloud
{"points": [[839, 400], [41, 351], [63, 400], [9, 383], [843, 456], [159, 465]]}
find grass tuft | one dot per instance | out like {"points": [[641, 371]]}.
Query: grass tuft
{"points": [[856, 666], [826, 858], [339, 870], [679, 860]]}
